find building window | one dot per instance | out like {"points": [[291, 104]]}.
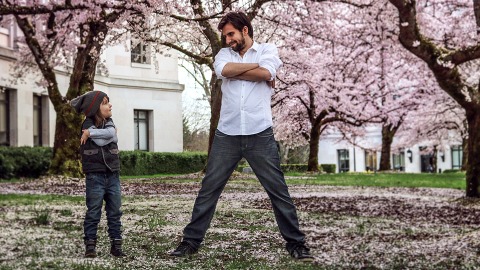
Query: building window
{"points": [[4, 118], [5, 37], [370, 161], [457, 157], [37, 120], [343, 160], [426, 160], [141, 53], [398, 161], [141, 130]]}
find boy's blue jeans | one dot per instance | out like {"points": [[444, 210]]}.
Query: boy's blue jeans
{"points": [[100, 187], [261, 152]]}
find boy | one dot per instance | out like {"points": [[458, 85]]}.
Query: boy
{"points": [[101, 165]]}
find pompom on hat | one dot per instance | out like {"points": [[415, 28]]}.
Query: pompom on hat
{"points": [[88, 103]]}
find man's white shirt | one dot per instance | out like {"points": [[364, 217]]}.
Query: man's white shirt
{"points": [[245, 104]]}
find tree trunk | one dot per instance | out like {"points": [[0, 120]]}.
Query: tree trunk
{"points": [[473, 146], [388, 132], [215, 106], [65, 149], [465, 154], [66, 159], [449, 79], [284, 157], [313, 154]]}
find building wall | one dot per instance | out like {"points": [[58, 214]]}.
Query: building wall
{"points": [[130, 86], [330, 144], [415, 165]]}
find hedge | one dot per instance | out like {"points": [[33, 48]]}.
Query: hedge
{"points": [[328, 168], [147, 163], [24, 161], [451, 171], [32, 162]]}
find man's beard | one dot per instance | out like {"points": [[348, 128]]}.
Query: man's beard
{"points": [[239, 46]]}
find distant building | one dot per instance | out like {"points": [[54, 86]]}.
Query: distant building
{"points": [[414, 159], [147, 106]]}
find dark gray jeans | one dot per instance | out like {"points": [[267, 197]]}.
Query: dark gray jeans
{"points": [[261, 152]]}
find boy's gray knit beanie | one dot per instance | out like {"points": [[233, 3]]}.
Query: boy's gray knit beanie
{"points": [[88, 103]]}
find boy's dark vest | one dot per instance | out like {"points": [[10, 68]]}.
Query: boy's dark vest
{"points": [[99, 158]]}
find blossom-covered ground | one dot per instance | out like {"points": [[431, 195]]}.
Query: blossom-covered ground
{"points": [[346, 227]]}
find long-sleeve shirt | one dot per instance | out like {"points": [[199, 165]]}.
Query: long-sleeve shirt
{"points": [[102, 136], [246, 104]]}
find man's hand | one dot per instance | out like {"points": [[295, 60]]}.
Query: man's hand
{"points": [[271, 83], [85, 136]]}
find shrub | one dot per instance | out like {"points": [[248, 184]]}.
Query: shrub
{"points": [[6, 167], [24, 161], [329, 168], [33, 162], [148, 163], [451, 171], [285, 167], [294, 167]]}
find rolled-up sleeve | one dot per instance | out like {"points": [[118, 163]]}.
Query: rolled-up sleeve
{"points": [[270, 60], [104, 133], [221, 60], [103, 136]]}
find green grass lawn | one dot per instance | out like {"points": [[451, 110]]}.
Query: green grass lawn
{"points": [[450, 180], [446, 180]]}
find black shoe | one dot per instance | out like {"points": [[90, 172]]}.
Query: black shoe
{"points": [[183, 250], [300, 252], [90, 246], [116, 248]]}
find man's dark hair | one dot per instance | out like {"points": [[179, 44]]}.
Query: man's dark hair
{"points": [[238, 20]]}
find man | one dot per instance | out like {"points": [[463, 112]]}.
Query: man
{"points": [[248, 71]]}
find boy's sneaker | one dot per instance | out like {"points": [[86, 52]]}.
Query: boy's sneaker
{"points": [[116, 248], [300, 252], [90, 246], [183, 250]]}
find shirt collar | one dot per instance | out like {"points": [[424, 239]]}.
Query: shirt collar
{"points": [[255, 46]]}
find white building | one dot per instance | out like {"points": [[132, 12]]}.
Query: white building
{"points": [[147, 106], [354, 158]]}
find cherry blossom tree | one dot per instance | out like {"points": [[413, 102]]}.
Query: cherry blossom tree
{"points": [[191, 29], [193, 32], [403, 83], [393, 83], [330, 77], [55, 32], [409, 88], [439, 123], [444, 34]]}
